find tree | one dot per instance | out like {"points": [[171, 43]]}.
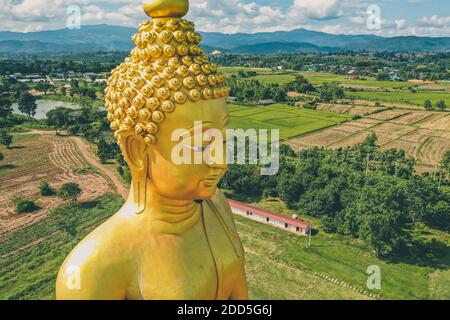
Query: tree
{"points": [[5, 107], [371, 140], [25, 206], [70, 191], [428, 105], [6, 139], [383, 76], [441, 105], [43, 87], [27, 104], [45, 189], [58, 118]]}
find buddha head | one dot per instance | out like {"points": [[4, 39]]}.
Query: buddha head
{"points": [[166, 84]]}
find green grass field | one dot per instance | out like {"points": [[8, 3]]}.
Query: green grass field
{"points": [[317, 78], [32, 256], [278, 264], [336, 256], [406, 97], [291, 121]]}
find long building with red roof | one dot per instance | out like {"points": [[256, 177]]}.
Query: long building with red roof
{"points": [[271, 218]]}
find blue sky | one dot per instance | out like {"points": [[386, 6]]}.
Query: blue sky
{"points": [[396, 17]]}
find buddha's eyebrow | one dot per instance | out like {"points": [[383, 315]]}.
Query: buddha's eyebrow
{"points": [[205, 126]]}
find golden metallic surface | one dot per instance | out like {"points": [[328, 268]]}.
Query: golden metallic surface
{"points": [[166, 8], [175, 237]]}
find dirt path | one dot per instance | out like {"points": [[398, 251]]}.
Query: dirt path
{"points": [[83, 146], [84, 149]]}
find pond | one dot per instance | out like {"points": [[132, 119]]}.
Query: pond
{"points": [[45, 106]]}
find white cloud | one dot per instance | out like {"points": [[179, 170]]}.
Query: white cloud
{"points": [[229, 16], [317, 9], [435, 21]]}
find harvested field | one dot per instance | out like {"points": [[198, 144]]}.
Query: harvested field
{"points": [[438, 123], [392, 129], [54, 159], [407, 146], [347, 128], [417, 135], [412, 118], [364, 123], [322, 138], [363, 111], [349, 109], [339, 108], [388, 115], [432, 151], [424, 136], [352, 140]]}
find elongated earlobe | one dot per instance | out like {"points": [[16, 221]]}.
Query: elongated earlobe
{"points": [[134, 150]]}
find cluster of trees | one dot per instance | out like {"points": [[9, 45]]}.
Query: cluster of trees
{"points": [[440, 105], [254, 90], [431, 66], [76, 62], [84, 90], [360, 191]]}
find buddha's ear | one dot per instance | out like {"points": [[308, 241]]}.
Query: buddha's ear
{"points": [[134, 150]]}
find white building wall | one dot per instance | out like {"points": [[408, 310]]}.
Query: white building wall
{"points": [[273, 222]]}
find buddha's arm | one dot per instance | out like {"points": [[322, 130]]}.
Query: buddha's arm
{"points": [[240, 291]]}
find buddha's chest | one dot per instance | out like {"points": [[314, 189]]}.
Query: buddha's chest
{"points": [[202, 263]]}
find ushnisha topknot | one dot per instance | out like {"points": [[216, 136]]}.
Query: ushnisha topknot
{"points": [[166, 69]]}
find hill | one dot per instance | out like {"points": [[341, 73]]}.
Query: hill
{"points": [[118, 38]]}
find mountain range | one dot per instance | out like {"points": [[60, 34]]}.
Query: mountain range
{"points": [[117, 38]]}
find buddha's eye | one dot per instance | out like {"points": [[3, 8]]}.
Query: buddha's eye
{"points": [[195, 148]]}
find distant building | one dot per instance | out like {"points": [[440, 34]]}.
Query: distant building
{"points": [[216, 53], [270, 218], [232, 99], [266, 102]]}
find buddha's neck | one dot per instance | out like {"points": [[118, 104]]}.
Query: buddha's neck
{"points": [[168, 215]]}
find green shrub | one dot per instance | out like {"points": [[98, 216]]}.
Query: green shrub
{"points": [[1, 156], [70, 191], [45, 189], [25, 206]]}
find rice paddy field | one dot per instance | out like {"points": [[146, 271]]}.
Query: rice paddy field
{"points": [[423, 135], [403, 97], [291, 121], [317, 78]]}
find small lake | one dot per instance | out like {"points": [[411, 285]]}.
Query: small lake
{"points": [[44, 106]]}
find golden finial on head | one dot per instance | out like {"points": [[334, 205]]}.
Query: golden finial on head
{"points": [[166, 8]]}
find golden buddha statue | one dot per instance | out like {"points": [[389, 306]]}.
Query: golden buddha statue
{"points": [[175, 237]]}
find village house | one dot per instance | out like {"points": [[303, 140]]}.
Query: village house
{"points": [[293, 225]]}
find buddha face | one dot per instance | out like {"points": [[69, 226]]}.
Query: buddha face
{"points": [[187, 181]]}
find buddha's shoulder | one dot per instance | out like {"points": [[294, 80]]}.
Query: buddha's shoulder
{"points": [[99, 258]]}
